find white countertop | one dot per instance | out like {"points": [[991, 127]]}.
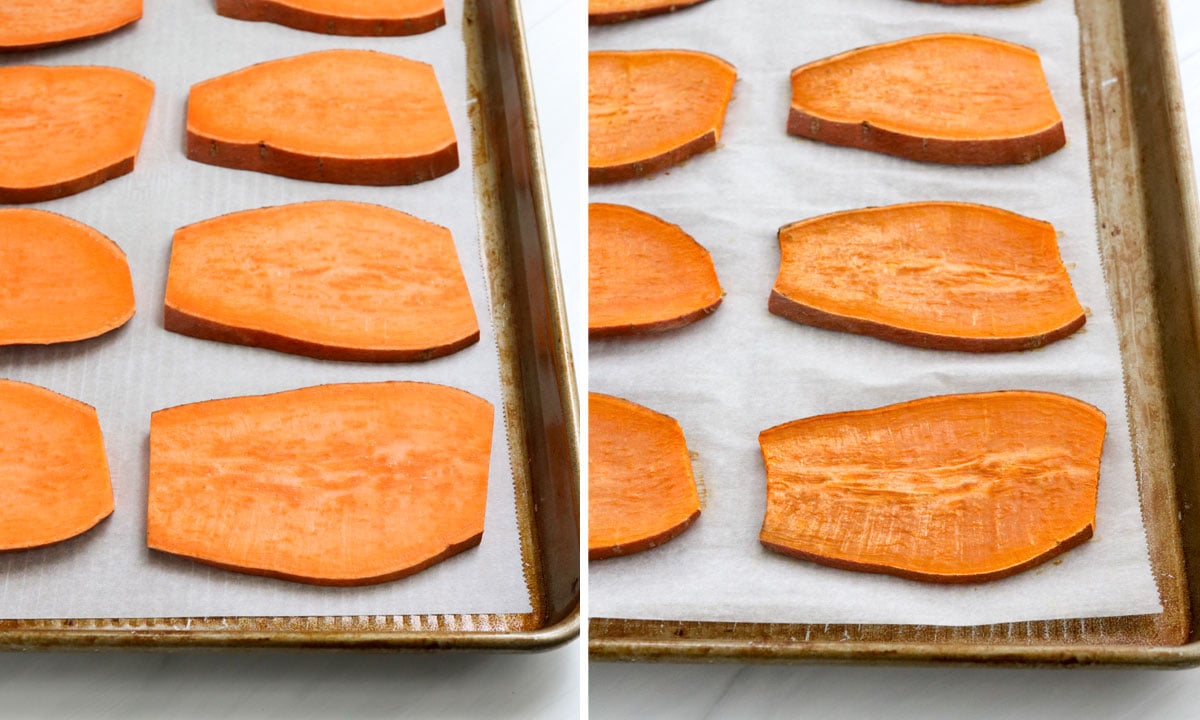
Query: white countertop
{"points": [[347, 685], [897, 693]]}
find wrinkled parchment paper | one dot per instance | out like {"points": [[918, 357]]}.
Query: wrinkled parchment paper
{"points": [[743, 370], [127, 374]]}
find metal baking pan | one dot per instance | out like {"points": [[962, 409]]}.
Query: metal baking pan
{"points": [[540, 403], [1150, 243]]}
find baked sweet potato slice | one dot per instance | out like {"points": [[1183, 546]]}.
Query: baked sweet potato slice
{"points": [[947, 276], [958, 99], [329, 279], [353, 117], [975, 2], [644, 275], [332, 485], [60, 280], [651, 109], [34, 24], [641, 492], [950, 489], [342, 17], [602, 12], [53, 469], [64, 130]]}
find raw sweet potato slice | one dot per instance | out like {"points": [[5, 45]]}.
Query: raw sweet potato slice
{"points": [[948, 276], [60, 280], [66, 129], [651, 109], [334, 280], [53, 470], [602, 12], [644, 275], [951, 489], [960, 99], [342, 17], [641, 492], [353, 117], [33, 24], [331, 485]]}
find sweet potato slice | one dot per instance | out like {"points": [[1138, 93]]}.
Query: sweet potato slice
{"points": [[948, 276], [644, 275], [60, 280], [64, 130], [641, 492], [34, 24], [331, 485], [959, 99], [602, 12], [53, 470], [950, 489], [651, 109], [342, 17], [353, 117], [330, 279]]}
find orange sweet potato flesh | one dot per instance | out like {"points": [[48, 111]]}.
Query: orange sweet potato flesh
{"points": [[957, 99], [60, 280], [342, 17], [641, 492], [602, 12], [53, 469], [328, 279], [947, 276], [332, 485], [651, 109], [64, 130], [950, 489], [352, 117], [644, 275], [34, 24]]}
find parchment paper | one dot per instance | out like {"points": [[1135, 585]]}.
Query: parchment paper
{"points": [[108, 572], [743, 370]]}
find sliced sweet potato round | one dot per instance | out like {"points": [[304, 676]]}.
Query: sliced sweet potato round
{"points": [[641, 492], [34, 24], [651, 109], [644, 275], [330, 279], [958, 99], [602, 12], [948, 276], [331, 485], [353, 117], [64, 130], [53, 469], [62, 280], [950, 489], [342, 17]]}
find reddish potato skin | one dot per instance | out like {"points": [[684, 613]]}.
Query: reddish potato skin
{"points": [[20, 196], [1071, 542], [272, 12], [260, 157], [603, 553], [651, 165], [607, 18], [183, 323], [865, 136], [656, 327], [805, 315]]}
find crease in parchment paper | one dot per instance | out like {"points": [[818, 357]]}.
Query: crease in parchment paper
{"points": [[127, 374], [742, 370]]}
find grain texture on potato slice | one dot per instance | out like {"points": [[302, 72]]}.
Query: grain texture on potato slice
{"points": [[34, 24]]}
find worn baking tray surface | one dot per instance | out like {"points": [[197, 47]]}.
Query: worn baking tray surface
{"points": [[521, 591], [1143, 187]]}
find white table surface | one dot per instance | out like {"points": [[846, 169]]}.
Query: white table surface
{"points": [[732, 691], [344, 685]]}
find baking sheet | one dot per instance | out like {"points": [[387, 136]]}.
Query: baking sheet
{"points": [[742, 370], [108, 572]]}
